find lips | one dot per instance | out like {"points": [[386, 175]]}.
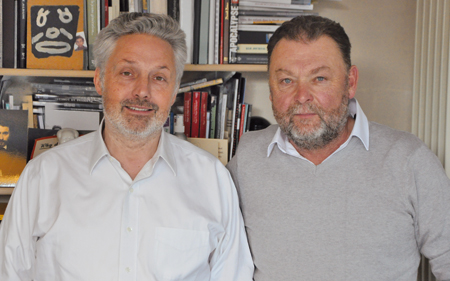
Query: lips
{"points": [[138, 108]]}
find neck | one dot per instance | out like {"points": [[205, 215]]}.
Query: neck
{"points": [[317, 156], [132, 152]]}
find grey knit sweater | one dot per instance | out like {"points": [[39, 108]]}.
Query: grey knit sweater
{"points": [[360, 215]]}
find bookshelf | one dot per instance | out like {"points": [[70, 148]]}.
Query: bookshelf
{"points": [[5, 192], [90, 73]]}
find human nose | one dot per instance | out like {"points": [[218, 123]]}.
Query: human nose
{"points": [[303, 93], [142, 88]]}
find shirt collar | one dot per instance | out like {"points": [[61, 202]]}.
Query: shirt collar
{"points": [[360, 130], [164, 151]]}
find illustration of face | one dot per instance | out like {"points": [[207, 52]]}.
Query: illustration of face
{"points": [[53, 30], [4, 136]]}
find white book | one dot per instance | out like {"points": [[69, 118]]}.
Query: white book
{"points": [[204, 33], [187, 24], [275, 5], [258, 27], [78, 120], [212, 26]]}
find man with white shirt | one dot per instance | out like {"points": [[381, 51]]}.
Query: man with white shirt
{"points": [[326, 194], [128, 201]]}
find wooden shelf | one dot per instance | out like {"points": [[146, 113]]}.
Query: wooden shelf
{"points": [[6, 190], [90, 73]]}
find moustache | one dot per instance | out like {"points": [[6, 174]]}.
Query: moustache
{"points": [[140, 103]]}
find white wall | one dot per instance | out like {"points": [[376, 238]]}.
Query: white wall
{"points": [[382, 34]]}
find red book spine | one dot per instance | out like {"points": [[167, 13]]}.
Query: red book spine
{"points": [[241, 125], [203, 114], [195, 114], [187, 113]]}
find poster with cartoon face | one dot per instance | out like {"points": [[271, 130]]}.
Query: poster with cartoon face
{"points": [[53, 27], [53, 30]]}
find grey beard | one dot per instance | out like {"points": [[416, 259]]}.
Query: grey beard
{"points": [[328, 131]]}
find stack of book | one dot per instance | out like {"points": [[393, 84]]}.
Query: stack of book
{"points": [[218, 112], [258, 20], [66, 103]]}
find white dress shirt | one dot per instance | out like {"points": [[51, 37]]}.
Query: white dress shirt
{"points": [[360, 130], [75, 214]]}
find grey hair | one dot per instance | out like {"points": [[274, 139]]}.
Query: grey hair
{"points": [[161, 26]]}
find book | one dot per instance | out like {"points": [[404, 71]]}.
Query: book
{"points": [[255, 11], [201, 85], [217, 32], [258, 27], [252, 58], [196, 31], [211, 30], [187, 22], [22, 32], [243, 20], [75, 119], [92, 30], [204, 32], [204, 98], [68, 98], [214, 104], [234, 18], [195, 116], [8, 33], [275, 5], [52, 34], [254, 37], [173, 9], [217, 147], [63, 89], [222, 26], [187, 113], [226, 31], [13, 145], [251, 49]]}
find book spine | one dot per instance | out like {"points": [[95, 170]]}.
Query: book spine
{"points": [[212, 131], [217, 32], [234, 19], [251, 48], [8, 33], [22, 40], [223, 116], [203, 114], [92, 28], [277, 5], [195, 114], [201, 85], [252, 58], [187, 114], [204, 33], [221, 37], [242, 122], [226, 32], [196, 43]]}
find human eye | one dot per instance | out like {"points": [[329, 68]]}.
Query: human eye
{"points": [[286, 81], [160, 78], [126, 73], [320, 78]]}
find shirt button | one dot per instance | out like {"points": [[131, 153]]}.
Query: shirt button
{"points": [[131, 190], [129, 229], [128, 269]]}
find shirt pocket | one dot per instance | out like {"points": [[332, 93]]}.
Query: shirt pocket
{"points": [[181, 253]]}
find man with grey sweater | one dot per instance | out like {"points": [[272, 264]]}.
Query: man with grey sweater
{"points": [[326, 194]]}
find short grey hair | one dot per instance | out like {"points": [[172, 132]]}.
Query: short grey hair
{"points": [[161, 26]]}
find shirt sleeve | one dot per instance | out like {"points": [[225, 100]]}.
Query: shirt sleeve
{"points": [[17, 244], [232, 259], [432, 211]]}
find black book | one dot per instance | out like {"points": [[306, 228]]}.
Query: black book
{"points": [[22, 32], [197, 13]]}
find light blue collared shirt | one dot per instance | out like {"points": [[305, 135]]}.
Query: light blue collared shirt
{"points": [[360, 130]]}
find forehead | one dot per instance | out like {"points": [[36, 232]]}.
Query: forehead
{"points": [[323, 50], [4, 129]]}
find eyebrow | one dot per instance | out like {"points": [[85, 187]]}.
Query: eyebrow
{"points": [[134, 62], [313, 71]]}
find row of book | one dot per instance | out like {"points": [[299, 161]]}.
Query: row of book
{"points": [[35, 34], [212, 108], [218, 112]]}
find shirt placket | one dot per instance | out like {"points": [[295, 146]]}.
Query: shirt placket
{"points": [[129, 235]]}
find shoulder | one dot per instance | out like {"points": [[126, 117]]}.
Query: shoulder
{"points": [[381, 135]]}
